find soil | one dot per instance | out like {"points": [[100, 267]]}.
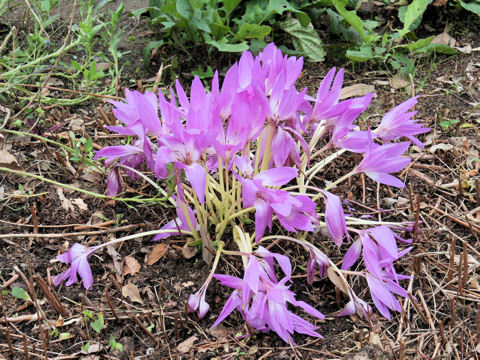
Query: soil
{"points": [[442, 321]]}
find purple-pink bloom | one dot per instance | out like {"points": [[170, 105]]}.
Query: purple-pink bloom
{"points": [[289, 209], [263, 300], [398, 123], [379, 252], [380, 160], [335, 218], [196, 302], [77, 257]]}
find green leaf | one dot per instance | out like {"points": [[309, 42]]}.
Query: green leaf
{"points": [[417, 45], [98, 324], [20, 293], [229, 6], [316, 4], [364, 54], [114, 345], [413, 15], [224, 46], [305, 39], [439, 49], [207, 74], [219, 30], [352, 18], [473, 6], [249, 31], [64, 335], [85, 348], [258, 11]]}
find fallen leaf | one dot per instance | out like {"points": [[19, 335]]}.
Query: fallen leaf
{"points": [[66, 204], [80, 203], [186, 346], [467, 49], [9, 161], [337, 281], [444, 147], [130, 266], [440, 2], [156, 254], [116, 259], [207, 246], [189, 251], [131, 291], [444, 39], [93, 348], [188, 284], [356, 90], [397, 82]]}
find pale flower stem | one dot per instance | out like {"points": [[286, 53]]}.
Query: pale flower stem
{"points": [[70, 187], [139, 235], [267, 154], [257, 154]]}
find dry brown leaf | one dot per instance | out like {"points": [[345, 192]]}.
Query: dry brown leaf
{"points": [[189, 251], [80, 203], [116, 259], [131, 291], [207, 246], [186, 346], [156, 254], [356, 90], [397, 82], [9, 161], [130, 266], [66, 204], [337, 280], [440, 2], [444, 39]]}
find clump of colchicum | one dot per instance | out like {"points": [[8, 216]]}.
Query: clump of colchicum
{"points": [[254, 145]]}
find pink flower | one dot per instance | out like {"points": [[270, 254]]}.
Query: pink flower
{"points": [[263, 300], [398, 123], [77, 257], [335, 218], [380, 160]]}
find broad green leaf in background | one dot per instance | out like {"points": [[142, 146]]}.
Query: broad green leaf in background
{"points": [[20, 293], [473, 6], [258, 11], [417, 45], [249, 31], [413, 14], [223, 45], [438, 48], [305, 39], [365, 53], [229, 6], [352, 18]]}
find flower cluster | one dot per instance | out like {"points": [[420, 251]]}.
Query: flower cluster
{"points": [[250, 146]]}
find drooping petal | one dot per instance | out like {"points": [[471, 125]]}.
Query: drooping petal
{"points": [[197, 176]]}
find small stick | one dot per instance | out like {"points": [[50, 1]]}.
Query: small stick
{"points": [[417, 307], [10, 281], [7, 327], [110, 304], [57, 305], [452, 260], [459, 273], [144, 328], [25, 347], [465, 264]]}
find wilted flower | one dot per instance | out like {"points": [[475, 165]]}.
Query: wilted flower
{"points": [[380, 160], [335, 218], [398, 123], [262, 299], [77, 257]]}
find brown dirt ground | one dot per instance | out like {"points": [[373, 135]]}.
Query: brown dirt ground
{"points": [[443, 322]]}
